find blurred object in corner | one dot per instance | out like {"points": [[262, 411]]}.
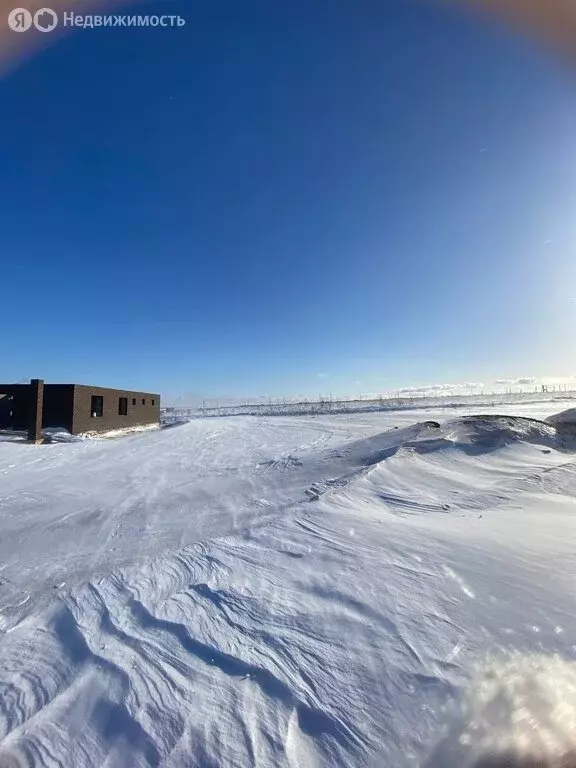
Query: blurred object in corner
{"points": [[552, 22]]}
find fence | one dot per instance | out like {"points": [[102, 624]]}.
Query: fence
{"points": [[330, 405]]}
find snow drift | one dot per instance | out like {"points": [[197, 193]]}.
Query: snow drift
{"points": [[289, 592]]}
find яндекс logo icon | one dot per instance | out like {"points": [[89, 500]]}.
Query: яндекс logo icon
{"points": [[20, 19]]}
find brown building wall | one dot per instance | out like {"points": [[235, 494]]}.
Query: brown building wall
{"points": [[143, 409], [69, 406]]}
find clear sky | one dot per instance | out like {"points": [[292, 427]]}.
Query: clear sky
{"points": [[287, 198]]}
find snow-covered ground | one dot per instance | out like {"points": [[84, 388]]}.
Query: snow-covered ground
{"points": [[312, 591]]}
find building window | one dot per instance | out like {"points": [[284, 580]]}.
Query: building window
{"points": [[153, 402], [143, 401], [122, 406], [133, 401], [97, 406]]}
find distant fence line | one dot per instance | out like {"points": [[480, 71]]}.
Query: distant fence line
{"points": [[323, 405]]}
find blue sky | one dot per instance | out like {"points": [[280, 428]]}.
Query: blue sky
{"points": [[286, 198]]}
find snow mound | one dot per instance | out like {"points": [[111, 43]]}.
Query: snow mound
{"points": [[471, 436], [112, 433], [565, 424], [564, 417], [59, 435], [494, 431], [475, 434]]}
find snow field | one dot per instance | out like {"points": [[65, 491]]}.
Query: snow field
{"points": [[290, 592]]}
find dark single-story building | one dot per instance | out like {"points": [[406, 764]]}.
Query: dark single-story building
{"points": [[74, 407]]}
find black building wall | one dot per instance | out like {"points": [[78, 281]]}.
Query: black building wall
{"points": [[14, 406], [58, 406], [5, 408]]}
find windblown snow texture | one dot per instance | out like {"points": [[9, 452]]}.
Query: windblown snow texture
{"points": [[290, 592]]}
